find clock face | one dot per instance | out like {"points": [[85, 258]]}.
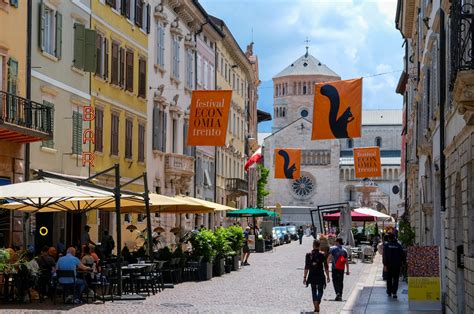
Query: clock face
{"points": [[303, 187]]}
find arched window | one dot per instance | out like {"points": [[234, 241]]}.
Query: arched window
{"points": [[304, 113], [284, 112], [378, 141], [350, 143], [304, 89]]}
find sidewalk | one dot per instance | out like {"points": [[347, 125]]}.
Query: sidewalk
{"points": [[369, 296]]}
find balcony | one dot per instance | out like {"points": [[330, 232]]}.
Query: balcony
{"points": [[23, 120], [236, 187], [462, 57], [177, 165]]}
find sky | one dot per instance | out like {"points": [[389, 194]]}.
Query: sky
{"points": [[355, 38]]}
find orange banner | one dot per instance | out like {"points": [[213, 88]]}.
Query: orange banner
{"points": [[287, 163], [209, 117], [367, 162], [337, 109]]}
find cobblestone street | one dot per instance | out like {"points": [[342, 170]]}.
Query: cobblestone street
{"points": [[271, 284]]}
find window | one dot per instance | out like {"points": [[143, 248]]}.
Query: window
{"points": [[238, 85], [129, 68], [50, 34], [199, 71], [350, 143], [175, 136], [142, 78], [378, 141], [187, 150], [304, 89], [50, 143], [84, 48], [102, 48], [99, 130], [122, 67], [77, 133], [114, 77], [160, 39], [159, 129], [139, 13], [206, 76], [304, 113], [114, 140], [126, 8], [189, 68], [175, 57], [141, 142], [128, 138]]}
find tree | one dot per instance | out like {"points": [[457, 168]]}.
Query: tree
{"points": [[262, 182]]}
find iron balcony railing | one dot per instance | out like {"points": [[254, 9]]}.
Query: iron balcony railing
{"points": [[25, 113], [236, 185], [462, 38]]}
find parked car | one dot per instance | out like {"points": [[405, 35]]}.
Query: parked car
{"points": [[293, 232], [280, 237], [286, 235]]}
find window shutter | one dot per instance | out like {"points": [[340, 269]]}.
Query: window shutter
{"points": [[77, 133], [99, 129], [123, 7], [129, 74], [106, 58], [148, 10], [79, 45], [48, 115], [163, 134], [115, 64], [137, 13], [110, 2], [98, 49], [90, 53], [156, 129], [122, 68], [142, 78], [42, 22], [59, 34]]}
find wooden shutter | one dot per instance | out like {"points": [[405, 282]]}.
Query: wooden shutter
{"points": [[129, 74], [128, 6], [141, 142], [90, 52], [47, 122], [59, 34], [163, 134], [77, 133], [148, 10], [79, 45], [156, 129], [111, 3], [142, 78], [128, 138], [106, 59], [115, 64], [42, 22], [138, 13], [123, 7], [114, 135], [99, 129], [122, 67], [98, 49]]}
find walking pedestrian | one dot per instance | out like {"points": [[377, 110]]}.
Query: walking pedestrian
{"points": [[107, 243], [246, 248], [316, 265], [393, 257], [338, 258], [380, 250], [300, 234]]}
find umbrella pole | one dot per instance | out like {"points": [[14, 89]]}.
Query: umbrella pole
{"points": [[119, 229], [148, 215]]}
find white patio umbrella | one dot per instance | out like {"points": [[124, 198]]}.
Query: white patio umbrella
{"points": [[371, 212], [345, 226]]}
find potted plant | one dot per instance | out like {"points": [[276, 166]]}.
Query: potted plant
{"points": [[236, 238], [203, 243], [222, 247]]}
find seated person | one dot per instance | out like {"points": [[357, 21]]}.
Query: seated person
{"points": [[71, 262], [45, 261], [87, 258]]}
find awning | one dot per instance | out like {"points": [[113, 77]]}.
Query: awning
{"points": [[355, 217], [214, 206], [251, 212]]}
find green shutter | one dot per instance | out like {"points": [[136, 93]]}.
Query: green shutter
{"points": [[44, 123], [79, 45], [90, 55], [42, 22], [59, 34], [77, 133]]}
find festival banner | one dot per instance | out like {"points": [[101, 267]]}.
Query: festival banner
{"points": [[287, 163], [209, 117], [423, 278], [337, 110], [367, 162]]}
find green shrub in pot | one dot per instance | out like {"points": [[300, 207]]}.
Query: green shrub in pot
{"points": [[236, 238], [203, 243]]}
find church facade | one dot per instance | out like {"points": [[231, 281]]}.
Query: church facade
{"points": [[327, 167]]}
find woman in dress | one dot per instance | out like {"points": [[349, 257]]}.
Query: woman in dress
{"points": [[315, 267]]}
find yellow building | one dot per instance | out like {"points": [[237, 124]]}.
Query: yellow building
{"points": [[17, 126], [118, 90]]}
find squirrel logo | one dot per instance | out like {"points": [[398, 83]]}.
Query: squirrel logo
{"points": [[288, 171], [338, 126]]}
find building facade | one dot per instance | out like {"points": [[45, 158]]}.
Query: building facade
{"points": [[59, 82], [234, 72], [17, 126], [437, 85]]}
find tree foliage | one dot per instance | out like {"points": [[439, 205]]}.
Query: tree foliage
{"points": [[261, 184]]}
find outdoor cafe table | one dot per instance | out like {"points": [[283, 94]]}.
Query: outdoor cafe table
{"points": [[134, 270]]}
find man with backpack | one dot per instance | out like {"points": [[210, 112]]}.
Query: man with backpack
{"points": [[338, 258]]}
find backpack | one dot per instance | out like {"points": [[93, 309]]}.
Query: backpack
{"points": [[340, 262]]}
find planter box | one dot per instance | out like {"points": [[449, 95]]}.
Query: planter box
{"points": [[235, 262], [205, 272], [260, 246], [219, 265], [228, 265]]}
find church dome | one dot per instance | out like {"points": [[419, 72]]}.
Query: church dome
{"points": [[307, 65]]}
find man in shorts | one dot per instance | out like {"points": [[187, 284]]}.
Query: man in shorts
{"points": [[246, 248]]}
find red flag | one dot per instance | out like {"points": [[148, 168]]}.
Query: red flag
{"points": [[256, 158]]}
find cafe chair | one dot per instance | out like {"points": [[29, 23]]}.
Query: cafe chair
{"points": [[65, 287]]}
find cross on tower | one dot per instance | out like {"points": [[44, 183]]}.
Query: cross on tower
{"points": [[307, 46]]}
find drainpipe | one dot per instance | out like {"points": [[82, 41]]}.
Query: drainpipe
{"points": [[406, 130], [28, 97]]}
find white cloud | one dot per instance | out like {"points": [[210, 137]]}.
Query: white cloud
{"points": [[388, 8]]}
